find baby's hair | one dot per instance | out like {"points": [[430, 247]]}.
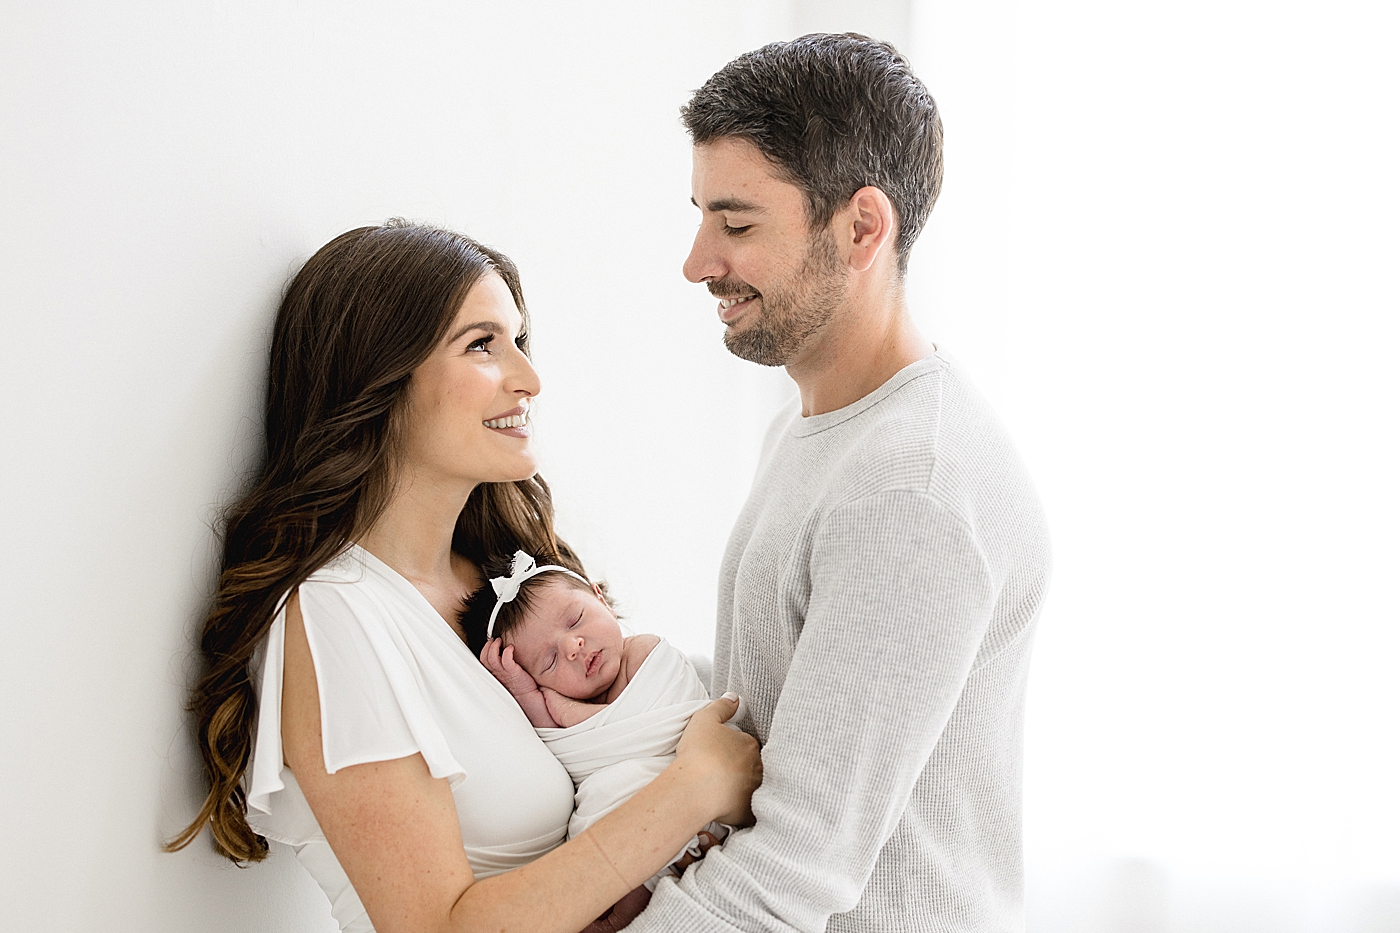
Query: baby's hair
{"points": [[476, 607]]}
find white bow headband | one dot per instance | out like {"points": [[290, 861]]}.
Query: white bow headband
{"points": [[522, 568]]}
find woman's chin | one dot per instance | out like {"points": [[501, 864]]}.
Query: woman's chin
{"points": [[508, 471]]}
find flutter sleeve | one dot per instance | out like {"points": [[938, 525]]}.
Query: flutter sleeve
{"points": [[373, 703]]}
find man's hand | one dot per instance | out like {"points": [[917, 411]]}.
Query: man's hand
{"points": [[518, 681], [707, 841], [566, 710]]}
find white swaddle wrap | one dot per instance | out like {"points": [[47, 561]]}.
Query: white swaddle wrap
{"points": [[616, 752]]}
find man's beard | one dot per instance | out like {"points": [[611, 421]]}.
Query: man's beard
{"points": [[790, 312]]}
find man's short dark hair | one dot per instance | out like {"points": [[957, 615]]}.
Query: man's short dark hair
{"points": [[833, 113]]}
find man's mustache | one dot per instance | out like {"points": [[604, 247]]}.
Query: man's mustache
{"points": [[730, 288]]}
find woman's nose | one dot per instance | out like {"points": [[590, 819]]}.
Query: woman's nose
{"points": [[522, 379]]}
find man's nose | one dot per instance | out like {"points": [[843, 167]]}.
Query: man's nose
{"points": [[703, 262]]}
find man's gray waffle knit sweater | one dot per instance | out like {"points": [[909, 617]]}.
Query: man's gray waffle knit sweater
{"points": [[877, 602]]}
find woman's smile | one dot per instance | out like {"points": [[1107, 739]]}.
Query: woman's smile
{"points": [[515, 423]]}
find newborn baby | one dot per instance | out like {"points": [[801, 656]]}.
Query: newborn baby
{"points": [[611, 708], [555, 644]]}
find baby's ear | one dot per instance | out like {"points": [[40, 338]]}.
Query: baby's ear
{"points": [[598, 592]]}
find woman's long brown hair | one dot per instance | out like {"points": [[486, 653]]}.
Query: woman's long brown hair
{"points": [[356, 321]]}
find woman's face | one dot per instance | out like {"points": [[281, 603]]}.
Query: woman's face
{"points": [[467, 417]]}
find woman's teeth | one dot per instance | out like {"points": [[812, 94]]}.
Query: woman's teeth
{"points": [[727, 303], [514, 421]]}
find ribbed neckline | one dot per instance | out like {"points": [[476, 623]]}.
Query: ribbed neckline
{"points": [[815, 424]]}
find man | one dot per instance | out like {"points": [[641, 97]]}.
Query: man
{"points": [[881, 585]]}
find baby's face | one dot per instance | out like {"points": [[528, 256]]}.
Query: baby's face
{"points": [[570, 640]]}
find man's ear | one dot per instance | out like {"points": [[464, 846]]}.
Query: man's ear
{"points": [[873, 225]]}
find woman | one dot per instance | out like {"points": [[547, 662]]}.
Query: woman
{"points": [[340, 711]]}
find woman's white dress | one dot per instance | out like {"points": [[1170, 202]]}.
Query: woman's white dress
{"points": [[395, 680]]}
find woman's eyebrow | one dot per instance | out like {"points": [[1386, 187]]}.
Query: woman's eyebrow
{"points": [[490, 327]]}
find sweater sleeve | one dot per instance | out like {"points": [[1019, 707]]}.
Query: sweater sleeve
{"points": [[901, 597]]}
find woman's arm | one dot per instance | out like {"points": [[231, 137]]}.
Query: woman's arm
{"points": [[394, 828]]}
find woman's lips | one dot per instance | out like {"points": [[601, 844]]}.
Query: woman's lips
{"points": [[521, 431], [514, 423]]}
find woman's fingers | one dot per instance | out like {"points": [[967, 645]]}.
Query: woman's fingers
{"points": [[721, 710]]}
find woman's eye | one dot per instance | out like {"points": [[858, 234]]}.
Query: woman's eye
{"points": [[481, 343]]}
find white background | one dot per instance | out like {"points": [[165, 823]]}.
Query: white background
{"points": [[1166, 250]]}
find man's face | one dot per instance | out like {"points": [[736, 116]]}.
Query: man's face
{"points": [[779, 283]]}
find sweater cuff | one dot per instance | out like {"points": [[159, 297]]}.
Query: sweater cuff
{"points": [[672, 909]]}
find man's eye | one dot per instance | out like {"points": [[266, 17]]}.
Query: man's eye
{"points": [[735, 231]]}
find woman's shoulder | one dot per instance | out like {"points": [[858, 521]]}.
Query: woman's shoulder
{"points": [[356, 584]]}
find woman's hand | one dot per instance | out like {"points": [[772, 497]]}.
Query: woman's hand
{"points": [[725, 761], [518, 681]]}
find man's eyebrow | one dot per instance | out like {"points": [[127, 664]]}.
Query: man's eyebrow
{"points": [[732, 204], [491, 327]]}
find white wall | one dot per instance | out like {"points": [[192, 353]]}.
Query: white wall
{"points": [[165, 167], [1161, 250], [1167, 250]]}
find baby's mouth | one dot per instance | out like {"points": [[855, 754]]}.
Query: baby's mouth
{"points": [[594, 662]]}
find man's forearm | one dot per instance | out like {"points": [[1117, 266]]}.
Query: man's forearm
{"points": [[883, 656]]}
